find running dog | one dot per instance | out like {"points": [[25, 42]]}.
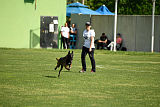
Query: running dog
{"points": [[65, 62]]}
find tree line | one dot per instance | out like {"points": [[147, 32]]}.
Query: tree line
{"points": [[125, 7]]}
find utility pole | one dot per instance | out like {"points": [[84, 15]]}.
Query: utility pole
{"points": [[35, 4], [115, 24], [82, 1], [153, 11]]}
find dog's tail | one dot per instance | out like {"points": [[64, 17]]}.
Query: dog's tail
{"points": [[57, 59]]}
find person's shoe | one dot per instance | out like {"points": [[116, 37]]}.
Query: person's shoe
{"points": [[82, 71], [92, 71]]}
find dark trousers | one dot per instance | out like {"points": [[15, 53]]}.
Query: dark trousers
{"points": [[85, 51], [102, 45], [118, 47], [65, 42]]}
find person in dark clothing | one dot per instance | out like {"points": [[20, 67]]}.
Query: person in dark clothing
{"points": [[103, 42]]}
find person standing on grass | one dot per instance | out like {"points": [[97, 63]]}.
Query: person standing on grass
{"points": [[88, 47], [65, 36], [73, 33]]}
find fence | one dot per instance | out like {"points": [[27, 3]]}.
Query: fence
{"points": [[135, 30]]}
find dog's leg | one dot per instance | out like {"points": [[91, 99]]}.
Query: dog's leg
{"points": [[57, 66], [60, 70], [67, 67], [70, 66]]}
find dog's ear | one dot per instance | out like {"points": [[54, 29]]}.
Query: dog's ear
{"points": [[68, 52]]}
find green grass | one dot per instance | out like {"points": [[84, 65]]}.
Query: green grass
{"points": [[123, 79]]}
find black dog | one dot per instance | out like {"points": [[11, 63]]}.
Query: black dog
{"points": [[65, 62]]}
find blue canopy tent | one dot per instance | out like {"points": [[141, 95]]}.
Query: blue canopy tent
{"points": [[78, 8], [103, 10]]}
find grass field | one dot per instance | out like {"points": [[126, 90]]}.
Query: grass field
{"points": [[123, 79]]}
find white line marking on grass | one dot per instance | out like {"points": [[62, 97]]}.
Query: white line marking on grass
{"points": [[99, 66], [143, 62], [118, 69], [139, 71]]}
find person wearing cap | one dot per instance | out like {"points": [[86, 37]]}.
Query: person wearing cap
{"points": [[88, 47]]}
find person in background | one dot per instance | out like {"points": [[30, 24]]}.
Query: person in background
{"points": [[118, 41], [73, 33], [65, 36], [102, 42], [88, 48]]}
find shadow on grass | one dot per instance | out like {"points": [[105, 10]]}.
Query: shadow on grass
{"points": [[50, 76], [64, 71]]}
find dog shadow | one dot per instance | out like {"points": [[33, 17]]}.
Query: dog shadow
{"points": [[50, 76]]}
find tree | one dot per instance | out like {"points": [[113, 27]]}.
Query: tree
{"points": [[73, 1], [126, 7]]}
